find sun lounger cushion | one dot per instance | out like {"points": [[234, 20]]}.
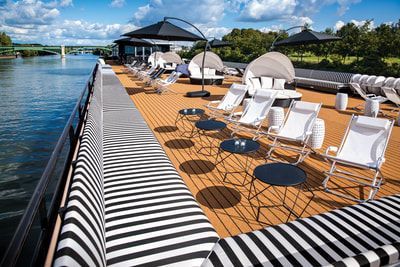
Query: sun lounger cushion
{"points": [[382, 256], [373, 123], [318, 240], [306, 106], [135, 210], [279, 84], [266, 82], [255, 82]]}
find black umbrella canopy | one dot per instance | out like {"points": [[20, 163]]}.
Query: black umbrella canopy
{"points": [[133, 42], [164, 30], [307, 37], [218, 43]]}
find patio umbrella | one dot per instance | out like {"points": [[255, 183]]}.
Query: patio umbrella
{"points": [[307, 37], [219, 43], [164, 30], [133, 42]]}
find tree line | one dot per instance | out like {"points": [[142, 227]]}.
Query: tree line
{"points": [[362, 49]]}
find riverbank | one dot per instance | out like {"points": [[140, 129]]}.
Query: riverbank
{"points": [[7, 57]]}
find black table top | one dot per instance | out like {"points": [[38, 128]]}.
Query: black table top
{"points": [[239, 145], [280, 174], [210, 125], [191, 111]]}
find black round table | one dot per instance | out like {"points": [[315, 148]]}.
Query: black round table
{"points": [[205, 126], [210, 125], [282, 175], [237, 146], [191, 115]]}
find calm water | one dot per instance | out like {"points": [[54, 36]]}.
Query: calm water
{"points": [[37, 96]]}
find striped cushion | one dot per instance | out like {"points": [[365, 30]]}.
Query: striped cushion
{"points": [[382, 256], [322, 79], [152, 218], [82, 237], [319, 240]]}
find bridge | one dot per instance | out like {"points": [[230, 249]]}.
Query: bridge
{"points": [[57, 50]]}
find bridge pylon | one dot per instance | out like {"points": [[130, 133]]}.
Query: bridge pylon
{"points": [[63, 51]]}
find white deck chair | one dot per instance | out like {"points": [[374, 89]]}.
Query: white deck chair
{"points": [[357, 88], [363, 146], [251, 119], [392, 96], [160, 81], [229, 102], [296, 128], [144, 73], [164, 87]]}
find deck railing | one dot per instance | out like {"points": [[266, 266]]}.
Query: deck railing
{"points": [[30, 242]]}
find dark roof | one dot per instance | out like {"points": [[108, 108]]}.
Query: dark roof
{"points": [[164, 30], [133, 42], [307, 37], [219, 43]]}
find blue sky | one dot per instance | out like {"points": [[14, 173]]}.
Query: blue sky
{"points": [[99, 22]]}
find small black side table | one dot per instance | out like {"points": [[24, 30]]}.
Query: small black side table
{"points": [[283, 175], [203, 128], [190, 115], [237, 146]]}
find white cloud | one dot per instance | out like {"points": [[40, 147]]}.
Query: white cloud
{"points": [[64, 3], [28, 12], [216, 32], [339, 24], [69, 32], [117, 3], [268, 10], [195, 11]]}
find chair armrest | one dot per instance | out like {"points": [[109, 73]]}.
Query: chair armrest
{"points": [[371, 95], [331, 149], [213, 102], [273, 128]]}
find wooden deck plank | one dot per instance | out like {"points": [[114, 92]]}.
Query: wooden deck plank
{"points": [[225, 203]]}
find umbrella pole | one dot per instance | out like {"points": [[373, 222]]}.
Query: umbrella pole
{"points": [[202, 93]]}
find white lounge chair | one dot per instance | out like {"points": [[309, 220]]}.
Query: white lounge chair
{"points": [[363, 146], [165, 86], [256, 111], [392, 96], [296, 129], [229, 102], [357, 88]]}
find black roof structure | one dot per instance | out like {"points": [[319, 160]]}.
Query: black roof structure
{"points": [[307, 37], [133, 42], [164, 30]]}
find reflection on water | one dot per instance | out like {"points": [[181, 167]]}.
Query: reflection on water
{"points": [[37, 96]]}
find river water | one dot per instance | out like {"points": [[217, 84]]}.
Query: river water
{"points": [[37, 96]]}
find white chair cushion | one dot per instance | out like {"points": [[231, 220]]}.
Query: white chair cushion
{"points": [[279, 84], [206, 70], [211, 72], [195, 72], [372, 123], [255, 81], [306, 106], [266, 82]]}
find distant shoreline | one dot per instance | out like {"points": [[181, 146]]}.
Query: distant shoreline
{"points": [[7, 57]]}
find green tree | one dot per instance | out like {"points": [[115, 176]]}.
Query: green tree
{"points": [[5, 40]]}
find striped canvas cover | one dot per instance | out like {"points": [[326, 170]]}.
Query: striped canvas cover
{"points": [[319, 240], [143, 213]]}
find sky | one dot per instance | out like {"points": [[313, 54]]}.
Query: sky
{"points": [[99, 22]]}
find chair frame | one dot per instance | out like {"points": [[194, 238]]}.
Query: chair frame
{"points": [[247, 127], [303, 149], [215, 112], [164, 87], [376, 180]]}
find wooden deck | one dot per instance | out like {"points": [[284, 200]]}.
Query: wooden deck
{"points": [[225, 203]]}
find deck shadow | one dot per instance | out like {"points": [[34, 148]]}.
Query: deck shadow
{"points": [[134, 91], [166, 129], [193, 166], [216, 197], [179, 143], [213, 97]]}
